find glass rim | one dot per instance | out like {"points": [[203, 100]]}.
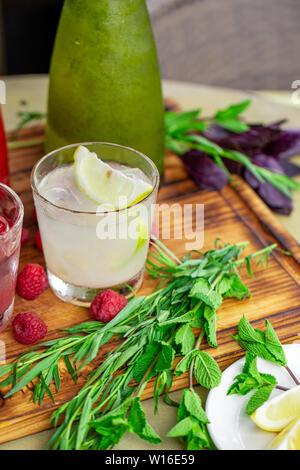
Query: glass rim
{"points": [[97, 212], [18, 201]]}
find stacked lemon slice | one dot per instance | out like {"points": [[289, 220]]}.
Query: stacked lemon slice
{"points": [[281, 414]]}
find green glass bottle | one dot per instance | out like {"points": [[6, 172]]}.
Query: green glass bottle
{"points": [[104, 80]]}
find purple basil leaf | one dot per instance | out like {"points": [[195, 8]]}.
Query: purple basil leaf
{"points": [[216, 133], [250, 142], [271, 195], [233, 167], [267, 161], [285, 145], [289, 168], [206, 173]]}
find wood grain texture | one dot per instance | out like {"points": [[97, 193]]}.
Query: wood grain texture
{"points": [[235, 214]]}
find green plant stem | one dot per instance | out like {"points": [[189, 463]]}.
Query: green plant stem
{"points": [[261, 252], [24, 144]]}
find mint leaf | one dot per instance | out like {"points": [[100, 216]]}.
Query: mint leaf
{"points": [[112, 426], [268, 378], [249, 380], [210, 326], [256, 349], [273, 344], [144, 361], [259, 398], [165, 357], [158, 351], [265, 345], [213, 299], [184, 427], [182, 411], [185, 363], [201, 286], [237, 290], [251, 367], [248, 360], [185, 338], [226, 283], [150, 435], [138, 422], [197, 443], [193, 405], [206, 370], [243, 385], [186, 318], [192, 422], [247, 333]]}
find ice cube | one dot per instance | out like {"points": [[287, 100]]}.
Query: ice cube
{"points": [[63, 197]]}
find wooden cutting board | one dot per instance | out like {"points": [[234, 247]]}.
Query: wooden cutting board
{"points": [[235, 214]]}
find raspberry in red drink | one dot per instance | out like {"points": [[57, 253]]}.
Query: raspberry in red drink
{"points": [[11, 219]]}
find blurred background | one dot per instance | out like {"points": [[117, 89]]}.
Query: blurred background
{"points": [[247, 44]]}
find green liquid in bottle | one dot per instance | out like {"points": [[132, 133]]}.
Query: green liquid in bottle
{"points": [[104, 79]]}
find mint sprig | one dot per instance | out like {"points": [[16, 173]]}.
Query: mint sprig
{"points": [[192, 421], [252, 380], [264, 344], [259, 343]]}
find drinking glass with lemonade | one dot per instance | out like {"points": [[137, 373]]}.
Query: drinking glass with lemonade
{"points": [[94, 205]]}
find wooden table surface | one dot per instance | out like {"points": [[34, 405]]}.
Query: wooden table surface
{"points": [[265, 107]]}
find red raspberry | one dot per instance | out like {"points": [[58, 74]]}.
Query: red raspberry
{"points": [[38, 241], [4, 225], [107, 305], [32, 281], [25, 236], [28, 328]]}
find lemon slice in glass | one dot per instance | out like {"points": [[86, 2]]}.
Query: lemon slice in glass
{"points": [[105, 185], [288, 439], [276, 414]]}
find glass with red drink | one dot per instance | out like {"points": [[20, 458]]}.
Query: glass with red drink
{"points": [[11, 220], [4, 173]]}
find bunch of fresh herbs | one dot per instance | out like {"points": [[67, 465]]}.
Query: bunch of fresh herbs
{"points": [[154, 330], [214, 148]]}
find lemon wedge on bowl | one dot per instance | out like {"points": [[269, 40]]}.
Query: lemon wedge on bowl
{"points": [[288, 439], [276, 414], [106, 185]]}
